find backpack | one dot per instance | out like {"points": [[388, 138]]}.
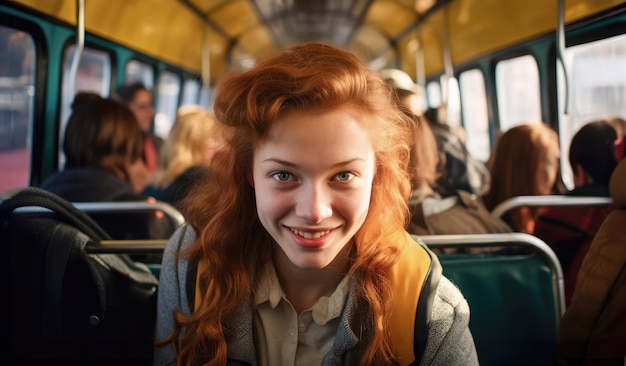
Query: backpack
{"points": [[63, 302]]}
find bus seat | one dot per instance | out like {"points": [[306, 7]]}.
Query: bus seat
{"points": [[516, 295], [32, 331], [547, 201]]}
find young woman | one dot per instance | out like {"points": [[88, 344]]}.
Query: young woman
{"points": [[525, 162], [295, 250]]}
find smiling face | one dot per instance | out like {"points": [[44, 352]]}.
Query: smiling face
{"points": [[313, 178]]}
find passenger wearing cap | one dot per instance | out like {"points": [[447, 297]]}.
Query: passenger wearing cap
{"points": [[459, 213], [458, 170]]}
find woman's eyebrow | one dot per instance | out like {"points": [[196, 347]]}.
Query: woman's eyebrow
{"points": [[290, 164]]}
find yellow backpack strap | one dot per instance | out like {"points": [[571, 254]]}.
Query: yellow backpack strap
{"points": [[197, 298], [413, 281]]}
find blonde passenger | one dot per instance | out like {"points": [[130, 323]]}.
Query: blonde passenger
{"points": [[297, 244], [186, 154], [525, 162]]}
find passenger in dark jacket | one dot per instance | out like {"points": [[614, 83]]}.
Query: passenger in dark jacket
{"points": [[103, 146], [570, 230], [593, 329]]}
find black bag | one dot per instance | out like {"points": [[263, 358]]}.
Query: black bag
{"points": [[63, 302]]}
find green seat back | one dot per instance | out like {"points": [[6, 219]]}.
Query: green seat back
{"points": [[512, 304]]}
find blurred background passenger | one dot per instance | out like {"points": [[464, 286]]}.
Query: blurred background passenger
{"points": [[186, 154], [103, 145], [458, 169], [139, 99], [570, 230], [525, 162], [459, 213], [593, 328]]}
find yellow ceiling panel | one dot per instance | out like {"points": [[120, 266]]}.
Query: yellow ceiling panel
{"points": [[479, 27], [161, 28], [258, 42], [430, 36], [235, 17], [218, 48], [407, 48], [390, 17], [60, 9], [205, 6], [578, 9]]}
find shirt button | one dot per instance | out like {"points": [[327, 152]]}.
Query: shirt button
{"points": [[302, 329]]}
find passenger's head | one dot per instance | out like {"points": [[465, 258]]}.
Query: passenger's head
{"points": [[525, 162], [102, 133], [193, 140], [410, 94], [318, 154], [139, 99], [424, 161], [592, 153]]}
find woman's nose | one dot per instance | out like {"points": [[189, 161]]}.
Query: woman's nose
{"points": [[314, 203]]}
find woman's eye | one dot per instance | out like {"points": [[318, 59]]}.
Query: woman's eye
{"points": [[282, 176], [344, 176]]}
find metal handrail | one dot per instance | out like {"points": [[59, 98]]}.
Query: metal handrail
{"points": [[128, 247], [552, 200], [175, 217]]}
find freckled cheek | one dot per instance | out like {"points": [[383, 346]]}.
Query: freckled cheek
{"points": [[354, 207], [271, 206]]}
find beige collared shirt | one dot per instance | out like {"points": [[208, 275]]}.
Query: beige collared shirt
{"points": [[286, 338]]}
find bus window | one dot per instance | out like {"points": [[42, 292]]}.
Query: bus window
{"points": [[191, 91], [433, 92], [475, 114], [597, 89], [137, 71], [168, 90], [206, 97], [93, 75], [518, 93], [17, 91], [454, 102]]}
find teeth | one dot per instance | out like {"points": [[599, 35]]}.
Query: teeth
{"points": [[309, 235]]}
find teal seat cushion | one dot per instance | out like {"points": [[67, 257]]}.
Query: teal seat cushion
{"points": [[512, 304]]}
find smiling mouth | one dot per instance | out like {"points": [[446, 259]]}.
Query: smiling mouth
{"points": [[310, 235]]}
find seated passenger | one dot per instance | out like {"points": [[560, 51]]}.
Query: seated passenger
{"points": [[593, 328], [103, 146], [139, 100], [525, 162], [569, 230], [459, 213], [186, 155], [301, 256], [458, 170]]}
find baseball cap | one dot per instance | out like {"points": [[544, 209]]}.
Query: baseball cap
{"points": [[400, 80]]}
